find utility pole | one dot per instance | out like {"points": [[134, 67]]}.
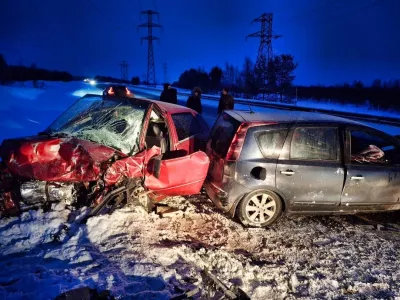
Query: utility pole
{"points": [[165, 72], [265, 53], [151, 72], [124, 70]]}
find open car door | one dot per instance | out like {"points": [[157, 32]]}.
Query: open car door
{"points": [[175, 173]]}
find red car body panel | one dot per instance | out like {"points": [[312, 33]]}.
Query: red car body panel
{"points": [[55, 159], [52, 159], [129, 167], [179, 176]]}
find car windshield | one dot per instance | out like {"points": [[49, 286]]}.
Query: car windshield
{"points": [[113, 123]]}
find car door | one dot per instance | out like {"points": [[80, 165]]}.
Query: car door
{"points": [[309, 170], [190, 133], [373, 169], [176, 173]]}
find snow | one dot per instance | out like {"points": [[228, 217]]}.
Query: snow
{"points": [[210, 109], [25, 110], [366, 109], [141, 256]]}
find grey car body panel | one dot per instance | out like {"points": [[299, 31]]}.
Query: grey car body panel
{"points": [[314, 183], [370, 185], [316, 187]]}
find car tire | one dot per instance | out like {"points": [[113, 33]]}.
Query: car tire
{"points": [[259, 208]]}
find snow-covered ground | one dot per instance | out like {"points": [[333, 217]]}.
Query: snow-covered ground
{"points": [[365, 109], [141, 256], [25, 110], [145, 256]]}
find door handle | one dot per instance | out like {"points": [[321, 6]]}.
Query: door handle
{"points": [[358, 177], [287, 172]]}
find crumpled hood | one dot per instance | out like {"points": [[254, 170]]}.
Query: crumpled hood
{"points": [[54, 159]]}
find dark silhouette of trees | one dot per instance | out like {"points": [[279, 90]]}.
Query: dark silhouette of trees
{"points": [[231, 77], [101, 78], [384, 95], [215, 78], [22, 73], [245, 82], [3, 69], [195, 77], [135, 80], [35, 75], [283, 67], [10, 73], [249, 79]]}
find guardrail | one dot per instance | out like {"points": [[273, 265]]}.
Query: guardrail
{"points": [[356, 116]]}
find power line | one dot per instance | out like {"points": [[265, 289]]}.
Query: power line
{"points": [[124, 69], [265, 52], [151, 73]]}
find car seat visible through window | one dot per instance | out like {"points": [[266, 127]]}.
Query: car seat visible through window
{"points": [[155, 137]]}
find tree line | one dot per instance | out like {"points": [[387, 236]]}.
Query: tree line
{"points": [[247, 82], [9, 73]]}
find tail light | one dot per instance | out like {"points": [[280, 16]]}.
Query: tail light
{"points": [[110, 91], [238, 140], [128, 92]]}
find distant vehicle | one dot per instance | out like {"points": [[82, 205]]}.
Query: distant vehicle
{"points": [[117, 91], [91, 81], [263, 164], [105, 153]]}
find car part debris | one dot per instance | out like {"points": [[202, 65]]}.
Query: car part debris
{"points": [[233, 292]]}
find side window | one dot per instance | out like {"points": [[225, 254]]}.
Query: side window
{"points": [[314, 143], [368, 148], [186, 125], [271, 142]]}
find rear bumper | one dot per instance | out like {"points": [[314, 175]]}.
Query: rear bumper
{"points": [[227, 196], [219, 196]]}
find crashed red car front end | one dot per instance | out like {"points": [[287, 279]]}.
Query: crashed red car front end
{"points": [[101, 145]]}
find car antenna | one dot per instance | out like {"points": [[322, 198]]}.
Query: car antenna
{"points": [[251, 110]]}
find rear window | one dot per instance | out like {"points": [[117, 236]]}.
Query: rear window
{"points": [[222, 134]]}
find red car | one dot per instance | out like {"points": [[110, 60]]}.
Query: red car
{"points": [[106, 151]]}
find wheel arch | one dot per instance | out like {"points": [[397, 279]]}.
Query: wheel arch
{"points": [[233, 209]]}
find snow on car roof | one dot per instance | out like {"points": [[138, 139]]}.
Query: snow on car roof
{"points": [[288, 116]]}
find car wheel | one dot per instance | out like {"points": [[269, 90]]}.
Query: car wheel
{"points": [[260, 208]]}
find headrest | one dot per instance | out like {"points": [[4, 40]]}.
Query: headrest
{"points": [[156, 129]]}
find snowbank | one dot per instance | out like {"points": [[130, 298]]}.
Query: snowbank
{"points": [[332, 105], [140, 256]]}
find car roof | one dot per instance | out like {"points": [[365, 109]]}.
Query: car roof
{"points": [[171, 108], [288, 117], [117, 86], [167, 107]]}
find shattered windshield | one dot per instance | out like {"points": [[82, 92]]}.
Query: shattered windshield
{"points": [[112, 123]]}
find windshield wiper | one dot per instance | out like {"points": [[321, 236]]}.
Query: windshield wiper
{"points": [[59, 134]]}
